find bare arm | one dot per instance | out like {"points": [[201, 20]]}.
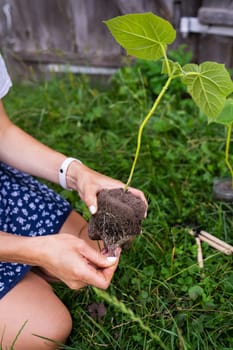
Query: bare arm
{"points": [[67, 257], [25, 153]]}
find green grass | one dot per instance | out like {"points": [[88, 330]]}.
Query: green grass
{"points": [[158, 298]]}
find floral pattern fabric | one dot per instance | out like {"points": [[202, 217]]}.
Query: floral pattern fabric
{"points": [[27, 208]]}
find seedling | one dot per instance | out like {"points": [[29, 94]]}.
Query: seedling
{"points": [[147, 36]]}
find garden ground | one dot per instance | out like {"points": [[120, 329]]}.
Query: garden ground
{"points": [[159, 297]]}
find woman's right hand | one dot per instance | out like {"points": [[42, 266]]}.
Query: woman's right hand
{"points": [[88, 183], [73, 261]]}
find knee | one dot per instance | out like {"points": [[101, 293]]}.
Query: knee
{"points": [[57, 330], [33, 301], [41, 334], [63, 331]]}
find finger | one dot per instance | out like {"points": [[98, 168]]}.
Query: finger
{"points": [[75, 285], [92, 209], [95, 257], [99, 278], [109, 272], [103, 277], [90, 200], [139, 194]]}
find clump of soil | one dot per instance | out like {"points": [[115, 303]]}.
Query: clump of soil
{"points": [[118, 219]]}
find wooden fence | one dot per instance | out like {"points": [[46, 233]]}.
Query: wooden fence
{"points": [[37, 33]]}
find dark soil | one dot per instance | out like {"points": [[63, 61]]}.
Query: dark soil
{"points": [[118, 219]]}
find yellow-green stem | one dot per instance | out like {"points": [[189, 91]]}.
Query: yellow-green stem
{"points": [[144, 122], [166, 61], [228, 141]]}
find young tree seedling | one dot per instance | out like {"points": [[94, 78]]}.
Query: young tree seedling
{"points": [[147, 36]]}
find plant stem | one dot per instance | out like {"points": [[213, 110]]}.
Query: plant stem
{"points": [[166, 61], [112, 300], [142, 125], [228, 141]]}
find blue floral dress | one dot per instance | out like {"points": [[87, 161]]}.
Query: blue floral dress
{"points": [[27, 207]]}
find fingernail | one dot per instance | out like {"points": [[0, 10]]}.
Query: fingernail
{"points": [[111, 258], [92, 209], [118, 251]]}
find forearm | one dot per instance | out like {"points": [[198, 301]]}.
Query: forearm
{"points": [[22, 151], [25, 153], [25, 250]]}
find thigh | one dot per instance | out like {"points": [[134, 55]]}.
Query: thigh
{"points": [[33, 301]]}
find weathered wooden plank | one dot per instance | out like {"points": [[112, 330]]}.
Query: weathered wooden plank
{"points": [[93, 41], [40, 25], [216, 12], [190, 8], [216, 48], [216, 16], [227, 4], [71, 31], [186, 8], [163, 8]]}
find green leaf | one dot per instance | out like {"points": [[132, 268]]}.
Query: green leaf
{"points": [[226, 115], [195, 292], [143, 35], [209, 84]]}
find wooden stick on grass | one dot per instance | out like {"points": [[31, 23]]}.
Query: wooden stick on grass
{"points": [[219, 242], [199, 253], [213, 241]]}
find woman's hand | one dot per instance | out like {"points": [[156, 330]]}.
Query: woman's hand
{"points": [[73, 261], [89, 183]]}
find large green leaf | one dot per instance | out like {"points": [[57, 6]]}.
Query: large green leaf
{"points": [[209, 84], [143, 35], [226, 115]]}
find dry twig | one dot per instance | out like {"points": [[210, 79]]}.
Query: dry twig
{"points": [[213, 241]]}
